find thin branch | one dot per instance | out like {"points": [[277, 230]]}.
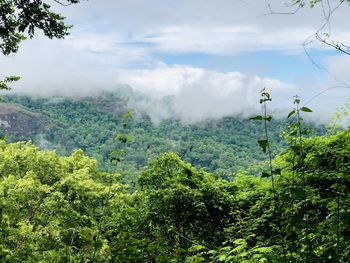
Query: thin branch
{"points": [[316, 64], [63, 4], [271, 12], [328, 11], [338, 46], [325, 90]]}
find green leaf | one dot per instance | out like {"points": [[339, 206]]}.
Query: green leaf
{"points": [[128, 115], [265, 174], [196, 248], [295, 148], [4, 84], [268, 118], [277, 171], [12, 78], [222, 258], [291, 113], [258, 118], [294, 133], [305, 109], [263, 144], [298, 193], [305, 132], [264, 100]]}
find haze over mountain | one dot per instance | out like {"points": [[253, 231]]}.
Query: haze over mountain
{"points": [[213, 58], [63, 124]]}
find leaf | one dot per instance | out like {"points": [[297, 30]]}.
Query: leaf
{"points": [[277, 171], [295, 148], [265, 174], [263, 144], [268, 118], [222, 258], [298, 193], [196, 248], [12, 78], [128, 115], [258, 118], [294, 133], [264, 100], [116, 159], [291, 113], [305, 132], [305, 109]]}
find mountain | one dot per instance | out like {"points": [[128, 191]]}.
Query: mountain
{"points": [[20, 121], [91, 123]]}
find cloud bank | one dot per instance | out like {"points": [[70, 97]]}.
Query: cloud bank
{"points": [[117, 43], [195, 94]]}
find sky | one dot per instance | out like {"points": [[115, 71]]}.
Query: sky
{"points": [[212, 57]]}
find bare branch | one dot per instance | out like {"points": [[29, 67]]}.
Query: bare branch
{"points": [[325, 90], [338, 46], [63, 4], [272, 12], [316, 64]]}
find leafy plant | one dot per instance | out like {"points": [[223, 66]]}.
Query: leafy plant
{"points": [[265, 143]]}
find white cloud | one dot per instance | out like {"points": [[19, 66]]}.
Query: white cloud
{"points": [[225, 40], [199, 94]]}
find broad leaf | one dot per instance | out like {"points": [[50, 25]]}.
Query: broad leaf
{"points": [[305, 109], [291, 113], [265, 175], [258, 118], [277, 171], [263, 144]]}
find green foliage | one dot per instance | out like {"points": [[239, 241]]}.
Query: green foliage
{"points": [[265, 144], [235, 251], [314, 204], [50, 205], [64, 209], [340, 118], [184, 206], [20, 19], [4, 84], [219, 146], [312, 3]]}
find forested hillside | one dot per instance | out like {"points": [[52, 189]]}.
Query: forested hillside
{"points": [[91, 123], [67, 209], [62, 209]]}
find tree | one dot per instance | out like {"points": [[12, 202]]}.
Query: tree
{"points": [[183, 206], [50, 206], [20, 18]]}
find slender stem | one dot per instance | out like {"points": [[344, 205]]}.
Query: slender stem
{"points": [[268, 147], [338, 222], [299, 129], [103, 216]]}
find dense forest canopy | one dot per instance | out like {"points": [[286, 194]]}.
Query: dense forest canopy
{"points": [[62, 209], [64, 124]]}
